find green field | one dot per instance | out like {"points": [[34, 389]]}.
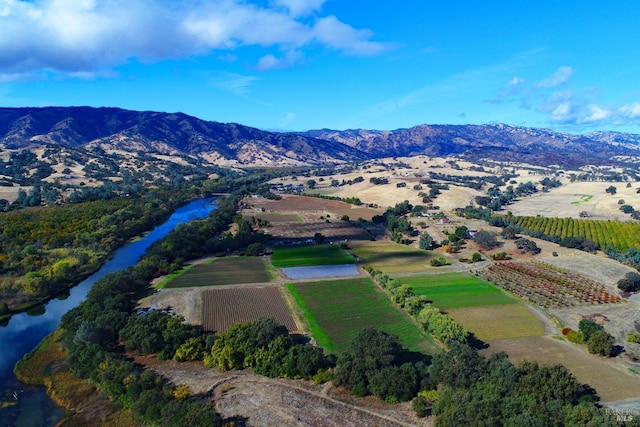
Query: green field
{"points": [[390, 257], [455, 290], [338, 310], [311, 255], [222, 271]]}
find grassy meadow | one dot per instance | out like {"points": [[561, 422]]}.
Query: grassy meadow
{"points": [[337, 310]]}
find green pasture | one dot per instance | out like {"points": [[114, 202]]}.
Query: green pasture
{"points": [[221, 271], [454, 290], [499, 322], [390, 257], [311, 255], [583, 199], [337, 310]]}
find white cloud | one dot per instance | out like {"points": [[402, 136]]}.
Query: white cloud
{"points": [[562, 75], [288, 118], [630, 111], [271, 62], [90, 35], [515, 81], [231, 82]]}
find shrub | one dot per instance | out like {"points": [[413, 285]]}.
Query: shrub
{"points": [[565, 331], [439, 262], [575, 337], [633, 337]]}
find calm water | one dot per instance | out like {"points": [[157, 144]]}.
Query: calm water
{"points": [[320, 271], [25, 331]]}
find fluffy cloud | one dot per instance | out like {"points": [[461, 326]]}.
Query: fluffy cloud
{"points": [[89, 35]]}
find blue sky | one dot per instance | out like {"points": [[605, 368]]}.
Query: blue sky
{"points": [[341, 64]]}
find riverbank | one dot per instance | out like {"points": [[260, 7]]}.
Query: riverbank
{"points": [[82, 403]]}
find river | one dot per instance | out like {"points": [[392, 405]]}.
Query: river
{"points": [[24, 331]]}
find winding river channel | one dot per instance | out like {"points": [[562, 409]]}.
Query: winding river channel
{"points": [[24, 331]]}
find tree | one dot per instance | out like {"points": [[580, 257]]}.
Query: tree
{"points": [[600, 342], [611, 190], [311, 184], [630, 283], [476, 257], [426, 241], [486, 239], [509, 232]]}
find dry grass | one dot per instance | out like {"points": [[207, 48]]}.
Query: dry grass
{"points": [[496, 322], [610, 382], [393, 258]]}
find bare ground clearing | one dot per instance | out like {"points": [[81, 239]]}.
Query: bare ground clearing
{"points": [[274, 402]]}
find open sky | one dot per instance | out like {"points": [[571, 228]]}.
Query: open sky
{"points": [[342, 64]]}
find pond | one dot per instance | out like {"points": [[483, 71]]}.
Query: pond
{"points": [[321, 271]]}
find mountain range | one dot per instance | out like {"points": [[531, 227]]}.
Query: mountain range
{"points": [[234, 144]]}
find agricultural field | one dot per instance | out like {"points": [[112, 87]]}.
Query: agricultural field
{"points": [[611, 383], [571, 199], [220, 271], [456, 290], [337, 310], [299, 256], [619, 235], [391, 258], [548, 285], [497, 322], [222, 308]]}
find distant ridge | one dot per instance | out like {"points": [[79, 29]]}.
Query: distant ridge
{"points": [[165, 133], [502, 142], [235, 144]]}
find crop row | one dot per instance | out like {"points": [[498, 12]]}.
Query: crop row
{"points": [[222, 308], [619, 235], [547, 285]]}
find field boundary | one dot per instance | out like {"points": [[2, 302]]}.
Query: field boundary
{"points": [[311, 322]]}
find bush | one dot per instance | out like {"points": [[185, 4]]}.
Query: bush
{"points": [[439, 262], [420, 407], [575, 337], [633, 337]]}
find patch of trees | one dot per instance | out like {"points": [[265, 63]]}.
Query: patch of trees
{"points": [[630, 282], [351, 200], [549, 183], [396, 221], [526, 245], [377, 364], [594, 335], [378, 181], [474, 391], [439, 325], [267, 348], [46, 250]]}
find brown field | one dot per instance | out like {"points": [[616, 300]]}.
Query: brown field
{"points": [[300, 217], [222, 308], [611, 383], [497, 322], [567, 201], [223, 271]]}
